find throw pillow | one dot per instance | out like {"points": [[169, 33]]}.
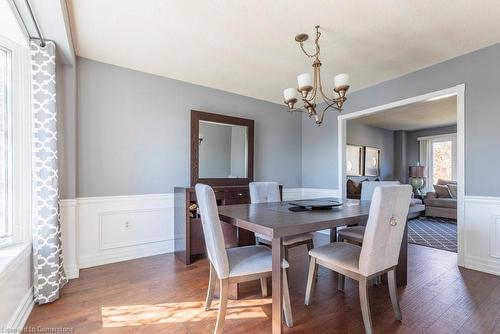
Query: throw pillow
{"points": [[452, 188], [442, 191]]}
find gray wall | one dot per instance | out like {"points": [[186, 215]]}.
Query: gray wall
{"points": [[365, 135], [66, 129], [319, 152], [400, 159], [133, 131], [412, 146], [215, 150], [479, 70]]}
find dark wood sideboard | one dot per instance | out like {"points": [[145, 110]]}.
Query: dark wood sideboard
{"points": [[189, 240]]}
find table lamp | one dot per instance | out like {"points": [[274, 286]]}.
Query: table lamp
{"points": [[418, 174]]}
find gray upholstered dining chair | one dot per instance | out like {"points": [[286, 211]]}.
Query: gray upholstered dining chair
{"points": [[233, 265], [265, 192], [356, 233], [379, 253]]}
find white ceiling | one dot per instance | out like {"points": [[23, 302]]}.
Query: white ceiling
{"points": [[415, 116], [248, 47]]}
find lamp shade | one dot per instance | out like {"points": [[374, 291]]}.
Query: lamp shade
{"points": [[341, 80], [290, 94], [304, 80], [418, 171]]}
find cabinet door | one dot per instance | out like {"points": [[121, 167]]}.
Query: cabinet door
{"points": [[237, 197]]}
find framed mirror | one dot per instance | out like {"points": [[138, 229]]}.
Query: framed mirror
{"points": [[221, 149]]}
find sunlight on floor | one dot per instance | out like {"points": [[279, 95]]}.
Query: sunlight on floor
{"points": [[137, 315]]}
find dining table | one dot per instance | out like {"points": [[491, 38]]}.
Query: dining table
{"points": [[277, 221]]}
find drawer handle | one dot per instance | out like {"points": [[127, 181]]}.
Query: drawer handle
{"points": [[240, 194]]}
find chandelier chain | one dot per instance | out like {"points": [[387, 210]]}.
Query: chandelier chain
{"points": [[316, 42]]}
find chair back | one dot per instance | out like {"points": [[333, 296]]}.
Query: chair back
{"points": [[368, 187], [384, 229], [264, 192], [212, 230]]}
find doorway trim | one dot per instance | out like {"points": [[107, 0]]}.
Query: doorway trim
{"points": [[459, 91]]}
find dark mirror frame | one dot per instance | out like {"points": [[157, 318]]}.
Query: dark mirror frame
{"points": [[196, 117]]}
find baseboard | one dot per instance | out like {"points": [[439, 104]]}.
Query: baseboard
{"points": [[23, 311], [128, 253], [482, 264]]}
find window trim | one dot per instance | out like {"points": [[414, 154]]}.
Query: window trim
{"points": [[20, 98], [430, 166]]}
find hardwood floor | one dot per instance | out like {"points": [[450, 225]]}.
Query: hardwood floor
{"points": [[160, 295]]}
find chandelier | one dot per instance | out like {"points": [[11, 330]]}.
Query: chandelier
{"points": [[310, 88]]}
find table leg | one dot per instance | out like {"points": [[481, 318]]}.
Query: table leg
{"points": [[277, 278], [402, 268], [333, 234]]}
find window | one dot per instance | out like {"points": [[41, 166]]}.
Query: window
{"points": [[439, 155], [5, 146], [442, 160], [15, 131]]}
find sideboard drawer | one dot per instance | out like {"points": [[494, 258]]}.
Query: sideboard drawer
{"points": [[237, 197]]}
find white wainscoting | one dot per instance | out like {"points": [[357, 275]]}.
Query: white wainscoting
{"points": [[482, 234], [307, 193], [16, 290], [68, 214], [102, 230]]}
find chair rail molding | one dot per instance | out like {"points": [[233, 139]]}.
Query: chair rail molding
{"points": [[482, 233]]}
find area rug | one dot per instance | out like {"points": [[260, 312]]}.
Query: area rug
{"points": [[440, 233]]}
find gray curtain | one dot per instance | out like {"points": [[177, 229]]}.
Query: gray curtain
{"points": [[49, 275]]}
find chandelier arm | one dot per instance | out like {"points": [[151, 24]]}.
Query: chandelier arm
{"points": [[325, 98]]}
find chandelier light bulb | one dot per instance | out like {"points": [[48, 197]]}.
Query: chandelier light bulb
{"points": [[290, 94], [341, 80], [305, 81]]}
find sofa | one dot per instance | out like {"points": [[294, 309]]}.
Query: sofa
{"points": [[441, 204], [354, 191]]}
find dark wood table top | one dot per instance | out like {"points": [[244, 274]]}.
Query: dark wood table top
{"points": [[275, 220]]}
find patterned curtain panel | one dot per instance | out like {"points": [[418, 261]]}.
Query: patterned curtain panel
{"points": [[49, 275]]}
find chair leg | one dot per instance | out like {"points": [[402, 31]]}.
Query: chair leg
{"points": [[287, 308], [211, 288], [393, 292], [310, 245], [311, 281], [221, 316], [263, 286], [341, 282], [365, 305]]}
